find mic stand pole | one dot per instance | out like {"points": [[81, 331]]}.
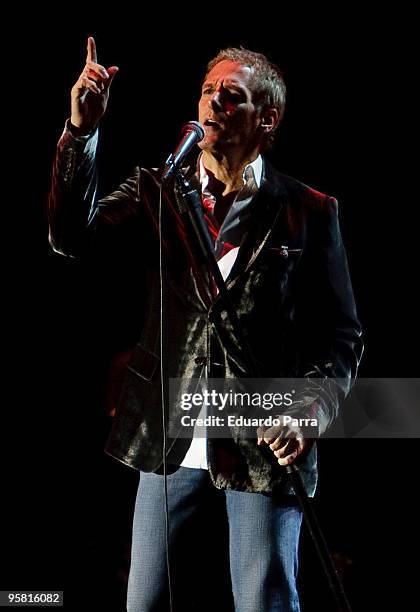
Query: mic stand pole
{"points": [[192, 200]]}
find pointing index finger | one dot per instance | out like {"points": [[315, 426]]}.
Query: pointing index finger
{"points": [[91, 50]]}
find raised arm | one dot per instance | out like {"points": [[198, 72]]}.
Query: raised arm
{"points": [[71, 201]]}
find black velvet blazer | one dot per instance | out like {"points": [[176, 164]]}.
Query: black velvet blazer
{"points": [[291, 288]]}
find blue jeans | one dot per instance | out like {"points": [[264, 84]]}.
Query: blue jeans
{"points": [[253, 534]]}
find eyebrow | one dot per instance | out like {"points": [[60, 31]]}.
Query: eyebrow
{"points": [[228, 83]]}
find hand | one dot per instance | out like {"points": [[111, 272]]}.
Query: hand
{"points": [[286, 442], [90, 93]]}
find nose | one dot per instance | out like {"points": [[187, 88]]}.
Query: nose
{"points": [[215, 102]]}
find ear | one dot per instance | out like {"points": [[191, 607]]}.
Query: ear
{"points": [[269, 119]]}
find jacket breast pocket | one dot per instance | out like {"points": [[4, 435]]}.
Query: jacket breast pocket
{"points": [[284, 252], [273, 272], [275, 259]]}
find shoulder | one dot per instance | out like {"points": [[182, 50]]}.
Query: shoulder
{"points": [[297, 194]]}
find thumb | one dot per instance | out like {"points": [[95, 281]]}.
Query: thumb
{"points": [[112, 71], [260, 435]]}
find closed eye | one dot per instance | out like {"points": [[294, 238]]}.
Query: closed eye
{"points": [[233, 97]]}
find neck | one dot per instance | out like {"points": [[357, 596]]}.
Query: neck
{"points": [[228, 170]]}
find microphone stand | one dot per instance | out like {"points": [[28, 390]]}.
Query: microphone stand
{"points": [[192, 200]]}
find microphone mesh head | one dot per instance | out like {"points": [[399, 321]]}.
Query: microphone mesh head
{"points": [[194, 126]]}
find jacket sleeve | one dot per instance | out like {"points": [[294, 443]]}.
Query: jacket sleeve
{"points": [[329, 329], [74, 210]]}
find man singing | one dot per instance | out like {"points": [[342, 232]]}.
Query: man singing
{"points": [[278, 245]]}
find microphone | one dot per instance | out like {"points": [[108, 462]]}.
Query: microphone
{"points": [[192, 133]]}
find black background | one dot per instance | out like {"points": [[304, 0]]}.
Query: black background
{"points": [[66, 507]]}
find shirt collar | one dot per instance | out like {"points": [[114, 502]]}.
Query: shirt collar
{"points": [[252, 170]]}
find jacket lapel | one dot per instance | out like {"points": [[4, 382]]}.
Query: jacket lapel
{"points": [[267, 207]]}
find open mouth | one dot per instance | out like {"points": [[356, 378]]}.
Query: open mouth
{"points": [[213, 124]]}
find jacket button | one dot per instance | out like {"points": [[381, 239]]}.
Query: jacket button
{"points": [[200, 360]]}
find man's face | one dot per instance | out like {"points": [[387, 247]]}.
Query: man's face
{"points": [[227, 111]]}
